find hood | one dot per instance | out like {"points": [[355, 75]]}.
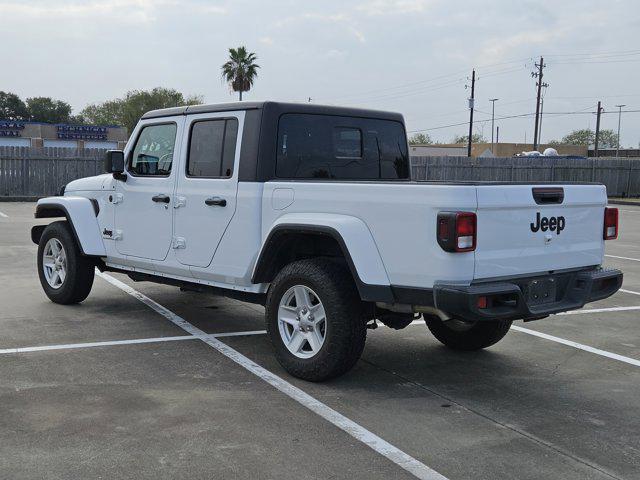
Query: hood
{"points": [[88, 183]]}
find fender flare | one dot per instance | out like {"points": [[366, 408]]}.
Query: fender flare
{"points": [[355, 241], [81, 213]]}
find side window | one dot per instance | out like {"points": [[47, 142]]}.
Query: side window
{"points": [[153, 153], [212, 148], [341, 148]]}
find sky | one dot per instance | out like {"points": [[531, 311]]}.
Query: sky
{"points": [[410, 56]]}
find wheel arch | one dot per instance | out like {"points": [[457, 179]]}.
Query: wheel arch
{"points": [[281, 246], [81, 214]]}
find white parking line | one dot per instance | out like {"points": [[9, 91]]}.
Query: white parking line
{"points": [[71, 346], [397, 456], [623, 258], [4, 215], [629, 291], [598, 310], [95, 344], [586, 348], [581, 311]]}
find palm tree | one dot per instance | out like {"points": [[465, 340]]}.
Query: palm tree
{"points": [[240, 70]]}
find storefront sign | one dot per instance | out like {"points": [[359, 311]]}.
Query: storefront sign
{"points": [[11, 129], [81, 132]]}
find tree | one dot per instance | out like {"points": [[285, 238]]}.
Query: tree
{"points": [[420, 139], [240, 70], [607, 139], [77, 119], [12, 107], [46, 109], [464, 139], [128, 110], [579, 137]]}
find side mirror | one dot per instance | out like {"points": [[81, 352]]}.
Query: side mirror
{"points": [[114, 163]]}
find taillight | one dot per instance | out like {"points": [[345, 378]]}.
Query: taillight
{"points": [[610, 223], [456, 231]]}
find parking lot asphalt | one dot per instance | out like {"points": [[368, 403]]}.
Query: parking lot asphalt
{"points": [[171, 406]]}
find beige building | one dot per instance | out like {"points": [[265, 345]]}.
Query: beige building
{"points": [[499, 150], [437, 150], [38, 134]]}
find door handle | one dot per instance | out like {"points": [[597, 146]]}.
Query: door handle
{"points": [[161, 198], [216, 201]]}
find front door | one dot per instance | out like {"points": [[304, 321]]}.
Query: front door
{"points": [[207, 185], [144, 203]]}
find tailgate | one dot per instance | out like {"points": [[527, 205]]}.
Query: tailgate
{"points": [[518, 234]]}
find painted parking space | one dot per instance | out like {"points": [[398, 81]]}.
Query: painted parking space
{"points": [[411, 408]]}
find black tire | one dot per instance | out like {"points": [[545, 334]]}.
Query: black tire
{"points": [[346, 330], [468, 336], [80, 270]]}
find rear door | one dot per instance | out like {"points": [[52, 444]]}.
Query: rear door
{"points": [[524, 229], [205, 199]]}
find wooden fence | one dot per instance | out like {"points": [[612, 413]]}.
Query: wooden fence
{"points": [[30, 173], [620, 175]]}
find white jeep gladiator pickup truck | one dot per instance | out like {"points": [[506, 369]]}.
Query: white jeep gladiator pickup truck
{"points": [[310, 211]]}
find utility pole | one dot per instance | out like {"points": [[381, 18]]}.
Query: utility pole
{"points": [[539, 84], [619, 118], [493, 114], [498, 134], [471, 100], [540, 125], [595, 147]]}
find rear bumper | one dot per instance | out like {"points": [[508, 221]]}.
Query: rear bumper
{"points": [[512, 299]]}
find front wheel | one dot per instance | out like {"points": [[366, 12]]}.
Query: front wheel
{"points": [[462, 335], [315, 319], [65, 274]]}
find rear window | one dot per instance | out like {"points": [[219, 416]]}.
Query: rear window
{"points": [[212, 148], [341, 148]]}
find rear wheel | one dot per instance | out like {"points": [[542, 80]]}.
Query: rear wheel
{"points": [[65, 274], [315, 320], [463, 335]]}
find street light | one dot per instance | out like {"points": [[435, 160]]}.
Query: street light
{"points": [[493, 111], [619, 118]]}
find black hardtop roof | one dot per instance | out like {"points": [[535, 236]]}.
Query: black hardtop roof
{"points": [[275, 107]]}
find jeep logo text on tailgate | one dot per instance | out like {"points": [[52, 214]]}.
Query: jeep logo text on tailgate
{"points": [[555, 224]]}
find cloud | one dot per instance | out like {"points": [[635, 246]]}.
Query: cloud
{"points": [[266, 40], [131, 11], [335, 54], [334, 18], [499, 47], [386, 7]]}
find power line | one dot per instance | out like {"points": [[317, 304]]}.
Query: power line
{"points": [[613, 53], [430, 88], [407, 89], [440, 77], [522, 115], [595, 62], [400, 87], [596, 96]]}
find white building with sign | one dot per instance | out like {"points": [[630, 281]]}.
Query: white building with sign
{"points": [[38, 134]]}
